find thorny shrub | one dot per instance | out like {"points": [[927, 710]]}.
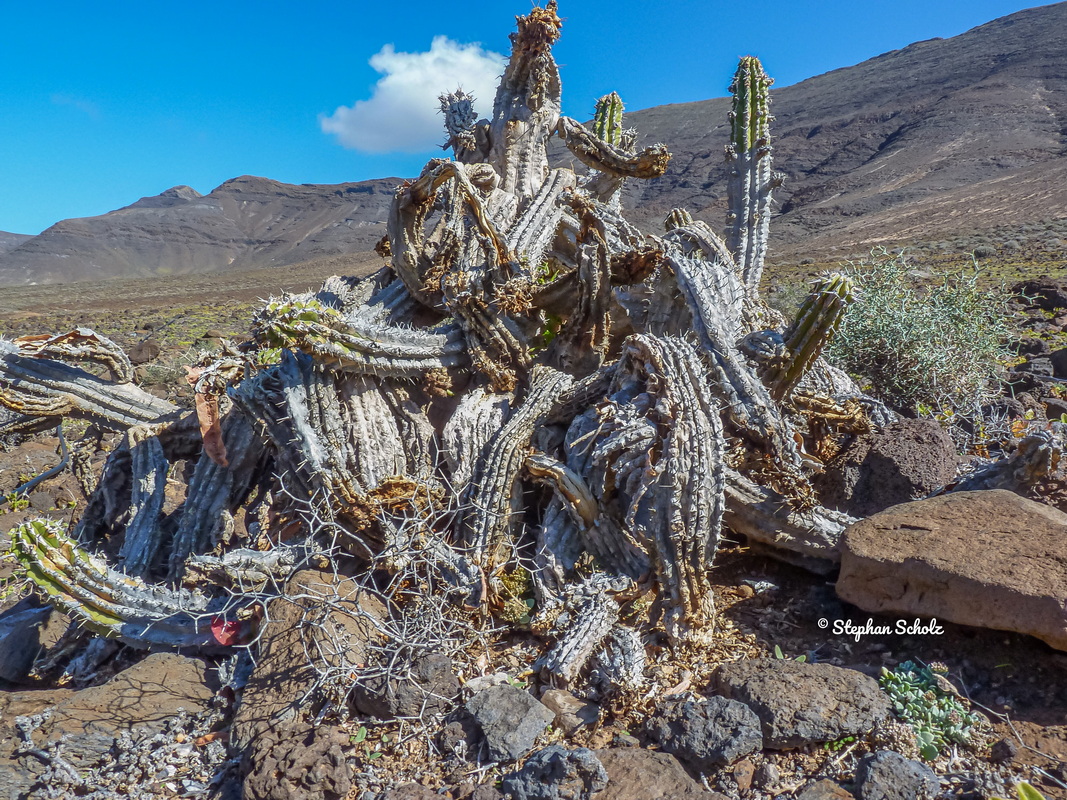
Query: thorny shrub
{"points": [[934, 348]]}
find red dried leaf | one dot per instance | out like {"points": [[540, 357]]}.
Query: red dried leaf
{"points": [[227, 631]]}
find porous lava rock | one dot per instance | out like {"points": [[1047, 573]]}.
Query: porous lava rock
{"points": [[799, 703], [904, 461], [886, 775], [638, 774], [707, 734], [989, 558], [509, 719], [556, 773]]}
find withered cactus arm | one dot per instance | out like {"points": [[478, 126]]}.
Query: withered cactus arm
{"points": [[583, 619], [490, 503], [749, 405], [148, 469], [534, 232], [80, 344], [44, 387], [527, 104], [465, 136], [600, 155], [766, 516], [412, 260], [357, 344], [216, 491]]}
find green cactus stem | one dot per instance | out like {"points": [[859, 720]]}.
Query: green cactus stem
{"points": [[304, 323], [677, 218], [607, 119], [111, 603], [811, 331], [751, 180]]}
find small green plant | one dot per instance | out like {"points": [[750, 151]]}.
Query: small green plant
{"points": [[17, 501], [518, 596], [781, 656], [1024, 791], [939, 345], [518, 683], [372, 750], [837, 745], [937, 717]]}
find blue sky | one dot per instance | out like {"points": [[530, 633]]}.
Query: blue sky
{"points": [[104, 103]]}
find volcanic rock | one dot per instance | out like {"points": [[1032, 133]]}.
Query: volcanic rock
{"points": [[799, 703], [990, 558]]}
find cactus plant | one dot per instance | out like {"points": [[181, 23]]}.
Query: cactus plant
{"points": [[415, 427], [109, 602], [814, 326], [607, 119], [751, 179]]}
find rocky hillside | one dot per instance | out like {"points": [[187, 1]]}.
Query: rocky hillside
{"points": [[245, 223], [943, 137], [9, 241]]}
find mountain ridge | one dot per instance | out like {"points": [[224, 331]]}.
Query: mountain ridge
{"points": [[940, 136]]}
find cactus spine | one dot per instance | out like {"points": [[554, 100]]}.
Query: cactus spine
{"points": [[751, 180], [811, 331]]}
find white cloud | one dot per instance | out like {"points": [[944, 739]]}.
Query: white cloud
{"points": [[403, 111], [87, 107]]}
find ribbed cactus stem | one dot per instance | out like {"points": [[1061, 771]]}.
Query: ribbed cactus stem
{"points": [[109, 602], [607, 120], [811, 331], [458, 109], [751, 180], [367, 347], [677, 218]]}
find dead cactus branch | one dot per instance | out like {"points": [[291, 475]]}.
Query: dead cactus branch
{"points": [[33, 385]]}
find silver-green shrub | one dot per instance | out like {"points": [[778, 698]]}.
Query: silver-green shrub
{"points": [[934, 347]]}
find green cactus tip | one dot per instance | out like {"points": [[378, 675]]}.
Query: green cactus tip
{"points": [[750, 118], [814, 326], [607, 120]]}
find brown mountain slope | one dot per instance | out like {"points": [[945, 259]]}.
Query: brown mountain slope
{"points": [[245, 223], [901, 139], [9, 241], [942, 137]]}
